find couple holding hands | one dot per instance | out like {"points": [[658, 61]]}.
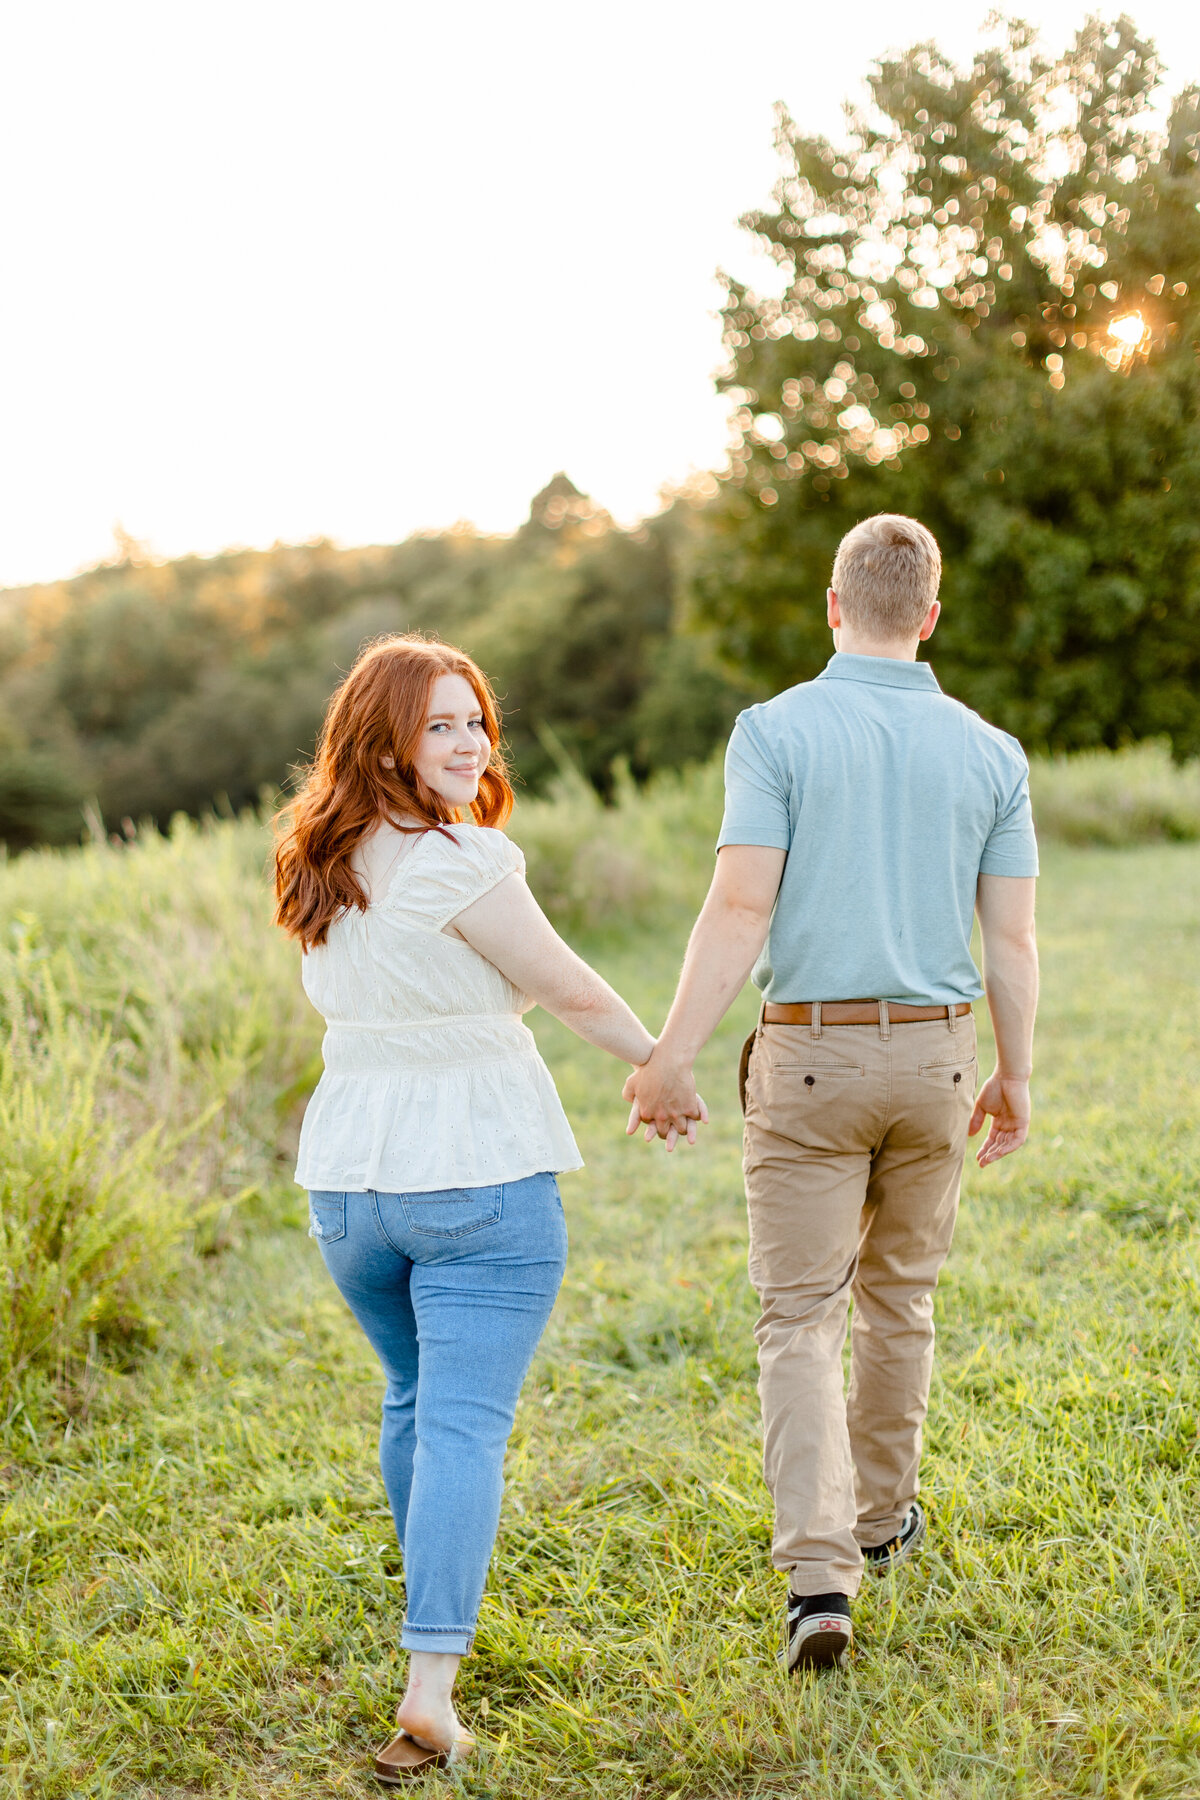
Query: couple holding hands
{"points": [[868, 819]]}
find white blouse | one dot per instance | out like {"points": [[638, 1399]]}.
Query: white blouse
{"points": [[431, 1080]]}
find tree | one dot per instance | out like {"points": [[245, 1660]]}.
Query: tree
{"points": [[584, 635], [988, 319]]}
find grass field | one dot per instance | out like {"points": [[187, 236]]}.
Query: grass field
{"points": [[202, 1592]]}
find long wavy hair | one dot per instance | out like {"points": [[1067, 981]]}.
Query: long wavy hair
{"points": [[379, 710]]}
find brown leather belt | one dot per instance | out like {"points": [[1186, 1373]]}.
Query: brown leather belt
{"points": [[858, 1012]]}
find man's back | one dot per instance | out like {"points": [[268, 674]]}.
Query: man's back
{"points": [[890, 800]]}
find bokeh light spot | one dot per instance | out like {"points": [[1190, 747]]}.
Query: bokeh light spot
{"points": [[1129, 329]]}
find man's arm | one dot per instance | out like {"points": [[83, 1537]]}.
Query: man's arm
{"points": [[1004, 904], [721, 952]]}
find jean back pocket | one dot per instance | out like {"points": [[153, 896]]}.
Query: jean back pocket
{"points": [[452, 1212], [327, 1217]]}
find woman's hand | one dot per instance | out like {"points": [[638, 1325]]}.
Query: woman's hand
{"points": [[664, 1099]]}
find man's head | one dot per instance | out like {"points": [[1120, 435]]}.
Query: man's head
{"points": [[885, 583]]}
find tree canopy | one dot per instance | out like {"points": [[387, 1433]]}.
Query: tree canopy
{"points": [[987, 318]]}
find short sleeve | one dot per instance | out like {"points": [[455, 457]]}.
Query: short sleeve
{"points": [[757, 802], [1011, 848], [451, 870]]}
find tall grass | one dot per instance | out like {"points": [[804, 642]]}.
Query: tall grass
{"points": [[152, 1040], [84, 1215], [644, 858], [1134, 796]]}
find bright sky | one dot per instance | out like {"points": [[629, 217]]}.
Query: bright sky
{"points": [[278, 270]]}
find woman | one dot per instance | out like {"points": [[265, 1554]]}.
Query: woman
{"points": [[431, 1145]]}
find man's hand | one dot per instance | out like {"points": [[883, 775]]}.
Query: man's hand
{"points": [[1007, 1104], [664, 1099]]}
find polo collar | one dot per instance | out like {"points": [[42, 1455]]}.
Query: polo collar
{"points": [[880, 671]]}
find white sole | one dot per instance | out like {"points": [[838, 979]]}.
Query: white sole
{"points": [[819, 1641]]}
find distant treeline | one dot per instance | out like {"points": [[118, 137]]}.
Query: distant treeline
{"points": [[148, 689]]}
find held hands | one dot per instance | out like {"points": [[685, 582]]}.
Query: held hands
{"points": [[1007, 1103], [664, 1099]]}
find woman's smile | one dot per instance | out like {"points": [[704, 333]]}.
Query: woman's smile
{"points": [[455, 748]]}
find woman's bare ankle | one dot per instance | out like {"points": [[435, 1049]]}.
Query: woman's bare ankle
{"points": [[427, 1712]]}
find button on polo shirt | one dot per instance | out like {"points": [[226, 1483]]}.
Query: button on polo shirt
{"points": [[890, 799]]}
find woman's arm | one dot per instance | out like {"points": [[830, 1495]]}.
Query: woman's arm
{"points": [[509, 927]]}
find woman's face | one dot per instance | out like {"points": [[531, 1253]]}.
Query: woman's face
{"points": [[454, 747]]}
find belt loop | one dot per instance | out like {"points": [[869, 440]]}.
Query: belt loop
{"points": [[885, 1023], [815, 1027], [952, 1017]]}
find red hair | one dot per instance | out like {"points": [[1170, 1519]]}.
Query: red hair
{"points": [[379, 710]]}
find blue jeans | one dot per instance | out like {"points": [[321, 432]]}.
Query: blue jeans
{"points": [[453, 1290]]}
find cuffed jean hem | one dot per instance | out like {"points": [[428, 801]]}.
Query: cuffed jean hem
{"points": [[441, 1643]]}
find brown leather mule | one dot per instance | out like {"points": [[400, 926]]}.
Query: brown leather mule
{"points": [[404, 1760]]}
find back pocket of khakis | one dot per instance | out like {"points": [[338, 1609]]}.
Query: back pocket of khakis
{"points": [[453, 1212], [809, 1073], [955, 1074]]}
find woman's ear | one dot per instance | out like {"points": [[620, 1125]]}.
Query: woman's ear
{"points": [[387, 762]]}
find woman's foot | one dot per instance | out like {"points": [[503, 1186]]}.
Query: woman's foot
{"points": [[435, 1728], [427, 1712]]}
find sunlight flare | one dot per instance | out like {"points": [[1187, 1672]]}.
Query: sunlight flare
{"points": [[1128, 330]]}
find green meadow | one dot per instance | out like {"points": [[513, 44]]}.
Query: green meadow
{"points": [[201, 1588]]}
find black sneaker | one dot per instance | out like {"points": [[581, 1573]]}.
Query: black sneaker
{"points": [[816, 1630], [882, 1557]]}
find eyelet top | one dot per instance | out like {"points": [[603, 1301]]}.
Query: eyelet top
{"points": [[431, 1079]]}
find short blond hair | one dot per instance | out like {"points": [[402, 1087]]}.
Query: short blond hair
{"points": [[886, 576]]}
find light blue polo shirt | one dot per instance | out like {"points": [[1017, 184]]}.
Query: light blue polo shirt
{"points": [[890, 800]]}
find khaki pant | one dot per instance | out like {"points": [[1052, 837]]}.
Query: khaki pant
{"points": [[854, 1144]]}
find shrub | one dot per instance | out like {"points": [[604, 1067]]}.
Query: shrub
{"points": [[39, 801]]}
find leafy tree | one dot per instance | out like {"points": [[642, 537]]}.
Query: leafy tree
{"points": [[587, 636], [988, 319]]}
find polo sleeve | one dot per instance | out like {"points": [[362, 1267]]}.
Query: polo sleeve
{"points": [[1011, 848], [757, 800]]}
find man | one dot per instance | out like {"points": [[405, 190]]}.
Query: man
{"points": [[867, 816]]}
